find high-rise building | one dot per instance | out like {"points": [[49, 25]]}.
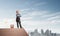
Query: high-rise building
{"points": [[42, 32], [35, 33]]}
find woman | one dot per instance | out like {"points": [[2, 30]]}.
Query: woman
{"points": [[18, 19]]}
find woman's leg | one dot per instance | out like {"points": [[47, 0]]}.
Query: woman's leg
{"points": [[17, 25], [20, 24]]}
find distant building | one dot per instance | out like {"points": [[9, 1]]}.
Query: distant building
{"points": [[47, 33], [42, 32], [35, 33]]}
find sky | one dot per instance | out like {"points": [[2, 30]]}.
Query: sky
{"points": [[36, 14]]}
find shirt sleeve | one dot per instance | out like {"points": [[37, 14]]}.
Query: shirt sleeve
{"points": [[18, 15]]}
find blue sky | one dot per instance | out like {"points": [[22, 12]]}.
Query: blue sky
{"points": [[40, 14]]}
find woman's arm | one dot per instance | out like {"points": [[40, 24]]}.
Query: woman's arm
{"points": [[18, 15]]}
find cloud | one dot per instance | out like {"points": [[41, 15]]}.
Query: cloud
{"points": [[44, 15], [40, 4], [6, 22]]}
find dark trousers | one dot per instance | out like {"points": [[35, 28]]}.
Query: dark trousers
{"points": [[19, 24]]}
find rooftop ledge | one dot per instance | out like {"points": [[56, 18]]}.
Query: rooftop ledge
{"points": [[13, 32]]}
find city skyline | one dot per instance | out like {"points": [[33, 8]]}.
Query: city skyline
{"points": [[42, 33]]}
